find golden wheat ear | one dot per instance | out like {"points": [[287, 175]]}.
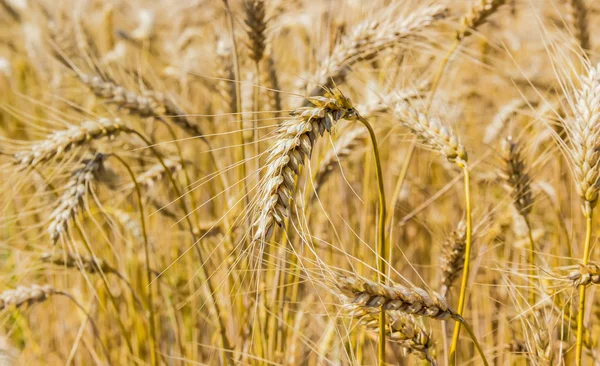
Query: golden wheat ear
{"points": [[73, 199], [294, 142]]}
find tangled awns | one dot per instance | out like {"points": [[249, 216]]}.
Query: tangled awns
{"points": [[299, 182]]}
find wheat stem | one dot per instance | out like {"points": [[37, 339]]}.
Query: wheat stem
{"points": [[227, 354], [107, 286], [466, 266], [582, 288], [153, 338], [383, 260], [238, 94]]}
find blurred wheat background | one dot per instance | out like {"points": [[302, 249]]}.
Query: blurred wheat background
{"points": [[296, 182]]}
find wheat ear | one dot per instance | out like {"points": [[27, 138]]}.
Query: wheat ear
{"points": [[369, 38], [33, 294], [544, 351], [294, 142], [363, 296], [514, 174], [406, 331], [58, 143], [25, 295], [477, 16], [578, 18], [439, 138], [451, 262], [150, 104], [72, 260], [432, 133], [256, 27], [72, 199], [586, 275]]}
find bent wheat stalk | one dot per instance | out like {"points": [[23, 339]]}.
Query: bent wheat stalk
{"points": [[382, 255]]}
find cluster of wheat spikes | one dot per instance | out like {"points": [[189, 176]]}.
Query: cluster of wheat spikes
{"points": [[296, 182]]}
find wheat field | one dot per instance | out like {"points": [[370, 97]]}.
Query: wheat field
{"points": [[297, 182]]}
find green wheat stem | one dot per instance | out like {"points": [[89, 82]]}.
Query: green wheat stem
{"points": [[466, 266], [582, 288]]}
